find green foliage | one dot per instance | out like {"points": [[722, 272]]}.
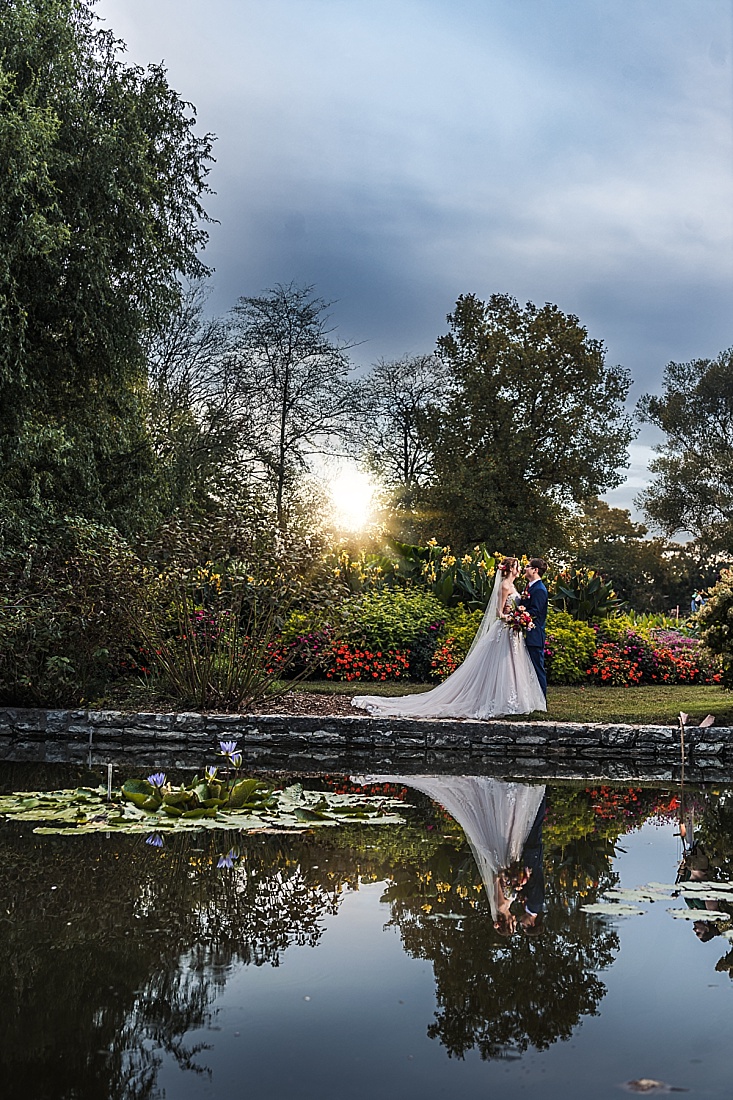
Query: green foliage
{"points": [[225, 802], [584, 594], [391, 620], [715, 623], [460, 628], [692, 488], [220, 651], [649, 574], [66, 602], [364, 571], [569, 648], [505, 470], [467, 580], [227, 587], [100, 215], [644, 624], [436, 569]]}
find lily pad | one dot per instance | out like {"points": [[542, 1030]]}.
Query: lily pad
{"points": [[133, 806], [638, 894], [137, 790], [698, 914], [612, 909]]}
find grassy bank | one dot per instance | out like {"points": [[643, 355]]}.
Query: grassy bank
{"points": [[638, 705]]}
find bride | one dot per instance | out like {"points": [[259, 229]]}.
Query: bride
{"points": [[496, 678], [496, 817]]}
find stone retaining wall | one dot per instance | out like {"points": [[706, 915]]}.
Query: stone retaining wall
{"points": [[360, 741]]}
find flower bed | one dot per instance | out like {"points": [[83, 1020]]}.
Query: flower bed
{"points": [[352, 663], [391, 636], [665, 656]]}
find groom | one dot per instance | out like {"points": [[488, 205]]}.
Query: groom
{"points": [[535, 602]]}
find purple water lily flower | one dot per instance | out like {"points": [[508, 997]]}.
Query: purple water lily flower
{"points": [[228, 859], [236, 759], [156, 840], [228, 748], [210, 773], [157, 779]]}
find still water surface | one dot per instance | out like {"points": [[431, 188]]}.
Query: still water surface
{"points": [[363, 961]]}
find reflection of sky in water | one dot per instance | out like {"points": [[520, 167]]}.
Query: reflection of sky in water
{"points": [[349, 1018]]}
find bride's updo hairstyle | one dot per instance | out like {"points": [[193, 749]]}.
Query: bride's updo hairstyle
{"points": [[507, 565]]}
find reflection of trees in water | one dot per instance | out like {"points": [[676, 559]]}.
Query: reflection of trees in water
{"points": [[110, 952], [711, 814], [498, 995], [105, 974], [501, 997]]}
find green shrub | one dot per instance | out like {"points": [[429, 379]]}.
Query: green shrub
{"points": [[569, 647], [431, 568], [584, 594], [396, 620], [227, 590], [66, 596], [460, 630], [715, 623], [616, 627], [391, 620]]}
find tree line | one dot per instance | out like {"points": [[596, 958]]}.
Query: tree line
{"points": [[126, 403]]}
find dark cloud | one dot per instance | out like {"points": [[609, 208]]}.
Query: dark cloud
{"points": [[397, 155]]}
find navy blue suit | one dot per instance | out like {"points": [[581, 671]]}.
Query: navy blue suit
{"points": [[535, 600], [533, 892]]}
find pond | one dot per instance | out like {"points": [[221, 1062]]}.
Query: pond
{"points": [[365, 960]]}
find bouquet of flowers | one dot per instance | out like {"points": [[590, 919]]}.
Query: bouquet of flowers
{"points": [[518, 619]]}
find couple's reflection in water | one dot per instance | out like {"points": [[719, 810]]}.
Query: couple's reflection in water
{"points": [[705, 840], [513, 972], [113, 953], [502, 823]]}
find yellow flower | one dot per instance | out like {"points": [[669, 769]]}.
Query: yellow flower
{"points": [[432, 542]]}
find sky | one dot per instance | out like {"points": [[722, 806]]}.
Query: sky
{"points": [[398, 153]]}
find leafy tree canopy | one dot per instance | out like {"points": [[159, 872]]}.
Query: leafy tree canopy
{"points": [[100, 214], [533, 423], [648, 574], [692, 488]]}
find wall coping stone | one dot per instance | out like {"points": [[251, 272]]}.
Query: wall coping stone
{"points": [[21, 727]]}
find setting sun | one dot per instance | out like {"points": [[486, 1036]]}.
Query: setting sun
{"points": [[352, 496]]}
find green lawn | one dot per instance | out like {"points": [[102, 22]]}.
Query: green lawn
{"points": [[639, 705]]}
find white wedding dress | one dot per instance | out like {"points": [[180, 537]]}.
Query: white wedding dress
{"points": [[496, 678], [495, 816]]}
